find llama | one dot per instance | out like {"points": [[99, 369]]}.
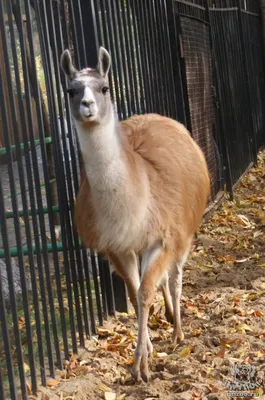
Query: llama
{"points": [[143, 191]]}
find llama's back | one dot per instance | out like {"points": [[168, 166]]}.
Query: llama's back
{"points": [[177, 170]]}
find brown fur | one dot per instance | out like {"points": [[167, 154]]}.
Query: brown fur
{"points": [[178, 177]]}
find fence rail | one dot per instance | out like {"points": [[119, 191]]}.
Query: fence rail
{"points": [[198, 61]]}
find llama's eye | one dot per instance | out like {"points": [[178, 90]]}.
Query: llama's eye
{"points": [[71, 92], [104, 89]]}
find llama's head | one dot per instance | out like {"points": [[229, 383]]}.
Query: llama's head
{"points": [[88, 89]]}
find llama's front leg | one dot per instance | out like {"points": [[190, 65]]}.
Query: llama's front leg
{"points": [[154, 263], [126, 265]]}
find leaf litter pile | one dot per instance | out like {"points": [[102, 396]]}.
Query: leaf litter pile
{"points": [[223, 316]]}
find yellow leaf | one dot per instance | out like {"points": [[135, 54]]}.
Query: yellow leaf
{"points": [[185, 352], [104, 332], [262, 265], [121, 396], [243, 327], [104, 388], [26, 367], [262, 285], [109, 396]]}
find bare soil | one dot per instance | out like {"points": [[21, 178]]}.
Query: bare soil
{"points": [[223, 316]]}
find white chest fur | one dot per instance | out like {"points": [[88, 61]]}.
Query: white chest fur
{"points": [[121, 216]]}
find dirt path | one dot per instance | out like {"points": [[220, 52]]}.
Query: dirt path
{"points": [[223, 314]]}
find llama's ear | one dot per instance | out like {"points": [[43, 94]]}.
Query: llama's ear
{"points": [[103, 62], [67, 65]]}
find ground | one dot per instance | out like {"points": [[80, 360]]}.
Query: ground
{"points": [[223, 308]]}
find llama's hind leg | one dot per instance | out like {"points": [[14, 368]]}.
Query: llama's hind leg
{"points": [[126, 265], [164, 286], [175, 285], [154, 263]]}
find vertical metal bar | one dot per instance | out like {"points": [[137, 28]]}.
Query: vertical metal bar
{"points": [[66, 228], [220, 75], [46, 179], [3, 318], [161, 57], [31, 192], [41, 218], [164, 73], [89, 291], [108, 37], [130, 56], [50, 16], [2, 395], [109, 287], [169, 9], [103, 285], [247, 87], [137, 56], [126, 58], [13, 194], [97, 292], [167, 48], [182, 69], [116, 57], [221, 138], [144, 47], [120, 290], [154, 56], [123, 71]]}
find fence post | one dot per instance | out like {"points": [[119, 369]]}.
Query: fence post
{"points": [[178, 64], [251, 123], [225, 160], [262, 17]]}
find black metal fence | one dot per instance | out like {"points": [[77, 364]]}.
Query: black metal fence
{"points": [[197, 61]]}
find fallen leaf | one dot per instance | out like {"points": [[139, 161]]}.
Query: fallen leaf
{"points": [[28, 385], [161, 355], [104, 388], [103, 333], [213, 388], [121, 396], [243, 328], [109, 396], [26, 367], [242, 260], [185, 351], [52, 383], [259, 353], [257, 234]]}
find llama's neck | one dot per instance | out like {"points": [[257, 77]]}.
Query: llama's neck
{"points": [[101, 148]]}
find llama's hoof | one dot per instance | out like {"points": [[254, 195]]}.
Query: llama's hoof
{"points": [[139, 374], [177, 337], [140, 367]]}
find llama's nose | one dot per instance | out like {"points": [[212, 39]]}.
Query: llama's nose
{"points": [[87, 103]]}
